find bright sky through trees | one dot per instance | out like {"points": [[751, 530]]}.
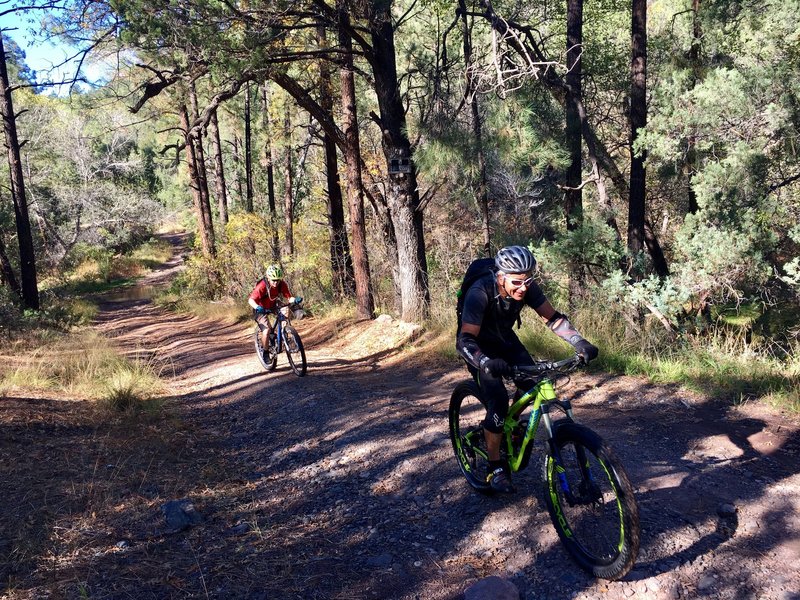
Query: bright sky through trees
{"points": [[45, 57]]}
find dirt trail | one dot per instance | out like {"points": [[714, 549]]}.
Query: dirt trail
{"points": [[342, 484]]}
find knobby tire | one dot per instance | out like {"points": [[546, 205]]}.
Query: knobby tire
{"points": [[465, 416], [267, 362], [601, 528], [295, 352]]}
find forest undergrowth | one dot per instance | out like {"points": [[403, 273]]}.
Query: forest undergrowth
{"points": [[724, 362], [57, 350]]}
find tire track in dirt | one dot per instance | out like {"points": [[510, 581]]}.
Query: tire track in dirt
{"points": [[350, 478], [342, 484]]}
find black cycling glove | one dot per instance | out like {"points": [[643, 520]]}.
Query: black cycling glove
{"points": [[586, 350], [496, 367]]}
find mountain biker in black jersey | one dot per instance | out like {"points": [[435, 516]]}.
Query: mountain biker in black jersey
{"points": [[486, 341]]}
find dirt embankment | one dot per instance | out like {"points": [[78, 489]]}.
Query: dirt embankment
{"points": [[342, 484]]}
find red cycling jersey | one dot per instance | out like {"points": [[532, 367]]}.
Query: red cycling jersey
{"points": [[267, 296]]}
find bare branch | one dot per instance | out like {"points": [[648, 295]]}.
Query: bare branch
{"points": [[785, 182], [151, 88], [583, 184], [405, 15]]}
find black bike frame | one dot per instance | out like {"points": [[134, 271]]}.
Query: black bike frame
{"points": [[277, 328]]}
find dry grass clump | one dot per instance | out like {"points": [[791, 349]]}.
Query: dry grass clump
{"points": [[86, 365]]}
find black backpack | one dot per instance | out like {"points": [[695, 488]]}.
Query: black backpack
{"points": [[477, 268]]}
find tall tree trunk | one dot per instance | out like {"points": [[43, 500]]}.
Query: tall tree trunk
{"points": [[607, 164], [690, 168], [238, 183], [341, 263], [638, 119], [7, 276], [27, 256], [201, 172], [204, 223], [269, 159], [402, 190], [482, 190], [573, 196], [248, 152], [219, 171], [602, 161], [365, 306], [303, 99], [288, 200]]}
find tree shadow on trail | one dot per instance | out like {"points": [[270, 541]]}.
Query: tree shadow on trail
{"points": [[352, 476], [343, 484]]}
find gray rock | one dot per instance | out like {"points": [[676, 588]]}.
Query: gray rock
{"points": [[492, 588], [180, 514], [240, 528], [706, 583], [381, 561], [674, 591], [726, 510]]}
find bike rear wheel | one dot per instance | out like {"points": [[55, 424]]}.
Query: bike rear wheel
{"points": [[465, 418], [267, 360], [295, 352], [591, 502]]}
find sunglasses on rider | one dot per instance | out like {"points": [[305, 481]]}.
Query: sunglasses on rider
{"points": [[520, 282]]}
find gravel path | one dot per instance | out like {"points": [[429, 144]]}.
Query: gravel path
{"points": [[342, 484]]}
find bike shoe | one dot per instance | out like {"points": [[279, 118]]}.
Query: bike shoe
{"points": [[500, 481]]}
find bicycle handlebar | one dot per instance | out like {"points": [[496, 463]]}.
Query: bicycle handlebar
{"points": [[542, 367], [277, 308]]}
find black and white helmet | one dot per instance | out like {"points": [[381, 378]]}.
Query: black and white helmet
{"points": [[514, 259]]}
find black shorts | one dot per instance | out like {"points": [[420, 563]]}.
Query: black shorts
{"points": [[493, 389]]}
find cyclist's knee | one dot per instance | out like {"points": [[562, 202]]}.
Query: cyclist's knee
{"points": [[493, 423], [496, 411]]}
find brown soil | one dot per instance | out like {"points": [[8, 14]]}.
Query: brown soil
{"points": [[342, 484]]}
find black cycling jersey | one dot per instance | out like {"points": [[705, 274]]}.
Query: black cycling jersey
{"points": [[496, 316]]}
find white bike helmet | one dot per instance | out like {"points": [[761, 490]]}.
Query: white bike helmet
{"points": [[514, 259]]}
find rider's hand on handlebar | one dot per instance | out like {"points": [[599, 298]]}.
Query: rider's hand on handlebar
{"points": [[295, 300], [260, 310], [496, 367], [586, 350]]}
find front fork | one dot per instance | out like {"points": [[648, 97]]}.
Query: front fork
{"points": [[587, 483]]}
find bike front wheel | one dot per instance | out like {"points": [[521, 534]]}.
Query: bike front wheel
{"points": [[295, 353], [465, 418], [591, 502], [267, 359]]}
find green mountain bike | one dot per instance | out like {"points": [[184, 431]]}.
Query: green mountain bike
{"points": [[587, 492]]}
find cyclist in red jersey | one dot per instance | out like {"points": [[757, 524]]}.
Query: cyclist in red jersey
{"points": [[266, 297]]}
